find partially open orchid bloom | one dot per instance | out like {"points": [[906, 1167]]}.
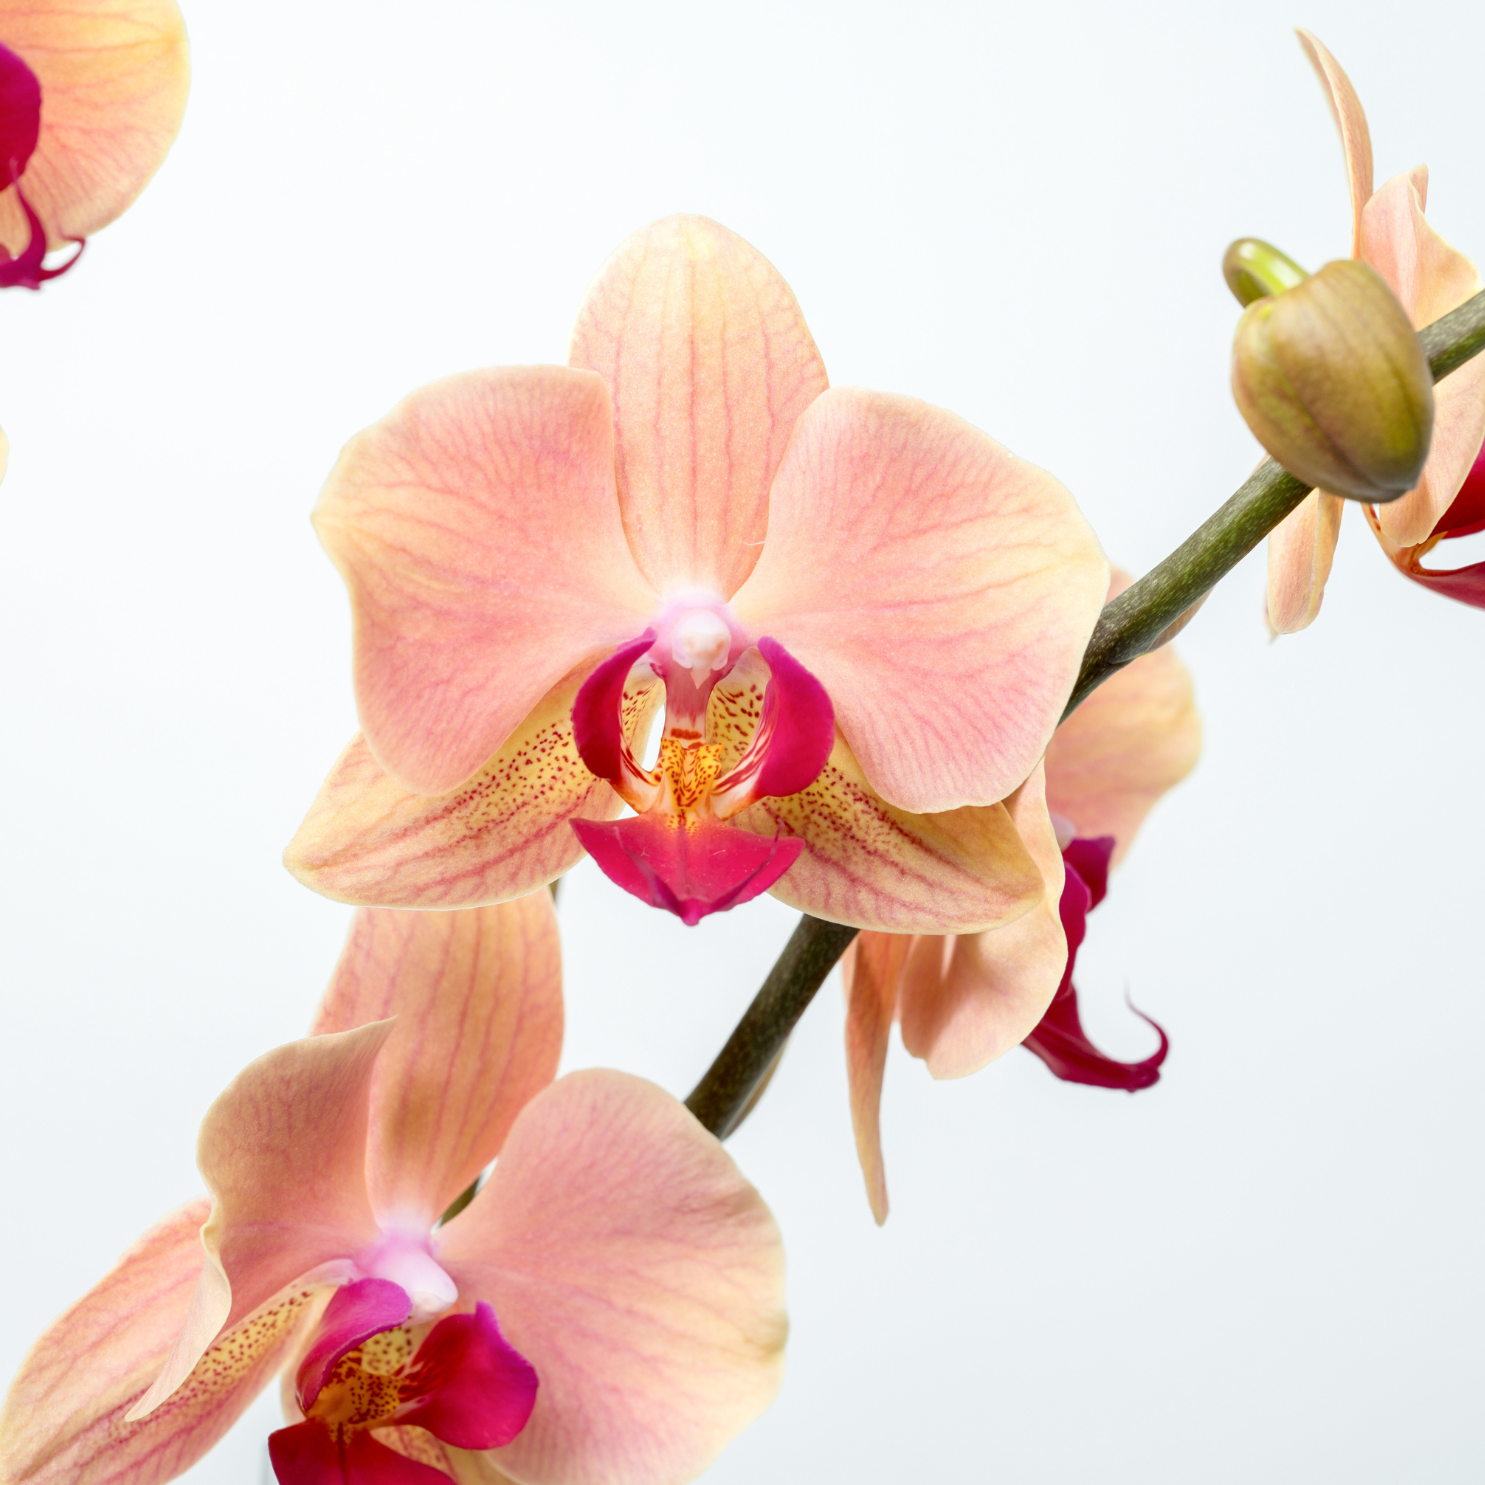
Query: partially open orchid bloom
{"points": [[861, 615], [1464, 517], [964, 1001], [91, 96], [1391, 234], [607, 1307]]}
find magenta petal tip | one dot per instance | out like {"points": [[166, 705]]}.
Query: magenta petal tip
{"points": [[691, 868]]}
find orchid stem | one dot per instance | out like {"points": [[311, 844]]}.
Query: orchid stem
{"points": [[1136, 622], [721, 1098]]}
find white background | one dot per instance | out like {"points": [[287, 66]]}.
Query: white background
{"points": [[1267, 1267]]}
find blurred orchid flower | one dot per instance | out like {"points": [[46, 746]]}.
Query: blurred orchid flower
{"points": [[862, 616], [636, 1276], [964, 1001], [91, 97], [1429, 278]]}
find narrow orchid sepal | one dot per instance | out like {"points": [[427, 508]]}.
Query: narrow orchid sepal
{"points": [[691, 867]]}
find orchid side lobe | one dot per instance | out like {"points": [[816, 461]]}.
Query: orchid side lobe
{"points": [[20, 128]]}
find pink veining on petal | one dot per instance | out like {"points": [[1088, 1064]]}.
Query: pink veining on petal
{"points": [[941, 589], [477, 530], [690, 867], [710, 364], [1059, 1039], [356, 1312], [477, 1390]]}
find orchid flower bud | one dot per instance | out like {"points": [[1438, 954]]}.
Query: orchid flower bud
{"points": [[1334, 384], [1255, 269]]}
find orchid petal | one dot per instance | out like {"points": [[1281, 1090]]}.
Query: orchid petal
{"points": [[1301, 549], [867, 863], [1059, 1039], [966, 1006], [356, 1312], [63, 1421], [477, 997], [114, 76], [1463, 584], [307, 1454], [1350, 121], [505, 832], [689, 866], [872, 970], [637, 1270], [710, 364], [598, 715], [480, 1389], [1135, 737], [1429, 278], [283, 1151], [941, 589], [477, 531]]}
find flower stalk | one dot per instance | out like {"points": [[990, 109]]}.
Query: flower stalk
{"points": [[1133, 624]]}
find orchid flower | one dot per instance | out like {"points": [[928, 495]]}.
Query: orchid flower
{"points": [[862, 616], [607, 1307], [91, 97], [1390, 233], [964, 1001]]}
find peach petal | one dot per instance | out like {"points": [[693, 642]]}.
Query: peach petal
{"points": [[283, 1150], [1350, 121], [1430, 278], [114, 76], [872, 969], [368, 840], [640, 1274], [867, 863], [1135, 737], [477, 998], [63, 1421], [941, 589], [984, 994], [1301, 549], [710, 364], [477, 530]]}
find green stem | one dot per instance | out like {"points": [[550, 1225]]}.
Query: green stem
{"points": [[720, 1099], [1129, 627]]}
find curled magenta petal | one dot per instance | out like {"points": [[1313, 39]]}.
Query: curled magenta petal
{"points": [[355, 1314]]}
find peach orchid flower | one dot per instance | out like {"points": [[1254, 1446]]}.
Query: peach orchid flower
{"points": [[636, 1276], [963, 1001], [91, 97], [862, 614], [1390, 233]]}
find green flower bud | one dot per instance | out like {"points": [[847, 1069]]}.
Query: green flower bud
{"points": [[1255, 269], [1334, 384]]}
